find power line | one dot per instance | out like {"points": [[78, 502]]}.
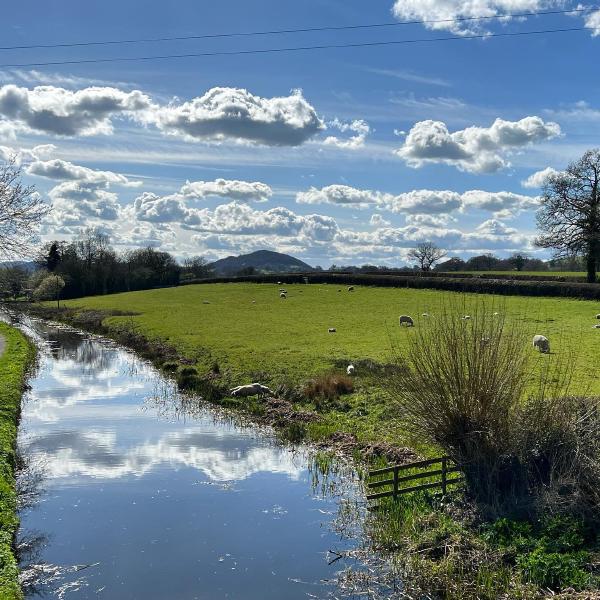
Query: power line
{"points": [[291, 49], [302, 30]]}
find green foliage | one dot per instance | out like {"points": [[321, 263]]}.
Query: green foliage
{"points": [[555, 570], [17, 355]]}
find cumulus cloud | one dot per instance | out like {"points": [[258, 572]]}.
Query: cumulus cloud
{"points": [[539, 178], [441, 14], [228, 188], [236, 114], [360, 129], [377, 220], [423, 220], [592, 20], [74, 202], [62, 112], [66, 171], [474, 149], [423, 202], [26, 155]]}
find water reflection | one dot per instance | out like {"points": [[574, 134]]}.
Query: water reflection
{"points": [[151, 495]]}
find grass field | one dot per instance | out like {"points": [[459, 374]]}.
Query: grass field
{"points": [[18, 353], [287, 341]]}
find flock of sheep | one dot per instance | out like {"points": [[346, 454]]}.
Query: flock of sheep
{"points": [[540, 343]]}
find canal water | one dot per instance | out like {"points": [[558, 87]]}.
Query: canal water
{"points": [[135, 492]]}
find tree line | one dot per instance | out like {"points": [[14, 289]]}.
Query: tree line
{"points": [[90, 266]]}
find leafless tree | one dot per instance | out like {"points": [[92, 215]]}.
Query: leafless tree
{"points": [[426, 255], [21, 211], [569, 218]]}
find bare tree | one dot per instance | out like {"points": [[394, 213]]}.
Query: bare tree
{"points": [[569, 218], [426, 255], [21, 211]]}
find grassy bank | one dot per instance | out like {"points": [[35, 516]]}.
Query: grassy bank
{"points": [[18, 354]]}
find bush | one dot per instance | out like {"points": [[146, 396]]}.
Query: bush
{"points": [[554, 570], [464, 389]]}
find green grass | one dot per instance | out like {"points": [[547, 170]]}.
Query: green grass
{"points": [[287, 341], [18, 354]]}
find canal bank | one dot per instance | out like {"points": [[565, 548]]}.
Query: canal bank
{"points": [[16, 354]]}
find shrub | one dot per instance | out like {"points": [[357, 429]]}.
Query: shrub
{"points": [[464, 389], [555, 570], [170, 366]]}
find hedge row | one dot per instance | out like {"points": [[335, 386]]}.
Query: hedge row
{"points": [[477, 285]]}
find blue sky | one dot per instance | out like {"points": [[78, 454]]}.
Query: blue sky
{"points": [[347, 155]]}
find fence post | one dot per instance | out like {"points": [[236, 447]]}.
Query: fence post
{"points": [[396, 470], [444, 475]]}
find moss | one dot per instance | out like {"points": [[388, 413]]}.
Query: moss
{"points": [[17, 356]]}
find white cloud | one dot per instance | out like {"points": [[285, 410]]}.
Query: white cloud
{"points": [[592, 20], [26, 155], [377, 220], [446, 11], [66, 171], [236, 114], [228, 188], [359, 127], [424, 220], [58, 111], [474, 149], [539, 178], [74, 202], [505, 204], [423, 202]]}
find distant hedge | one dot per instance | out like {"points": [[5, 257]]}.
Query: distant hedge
{"points": [[473, 284]]}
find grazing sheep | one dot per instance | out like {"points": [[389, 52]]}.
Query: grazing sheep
{"points": [[331, 330], [282, 295], [405, 319], [205, 302], [253, 301], [252, 389], [496, 314], [541, 343], [425, 315], [350, 370], [466, 318], [597, 316], [279, 283], [351, 288], [596, 326]]}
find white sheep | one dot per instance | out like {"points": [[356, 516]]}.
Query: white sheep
{"points": [[405, 319], [541, 343], [466, 318], [496, 314], [205, 302], [252, 389], [331, 330], [351, 288], [350, 370], [282, 295], [598, 316], [596, 326], [425, 315]]}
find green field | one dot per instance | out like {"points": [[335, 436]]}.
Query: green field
{"points": [[288, 341]]}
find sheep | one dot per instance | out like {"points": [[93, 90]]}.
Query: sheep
{"points": [[205, 302], [406, 319], [282, 295], [252, 389], [351, 288], [331, 330], [282, 290], [425, 315], [496, 314], [598, 316], [466, 318], [596, 326], [541, 343], [350, 370]]}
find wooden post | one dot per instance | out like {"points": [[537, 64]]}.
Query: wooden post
{"points": [[396, 470], [444, 475]]}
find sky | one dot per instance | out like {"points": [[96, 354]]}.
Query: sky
{"points": [[346, 155]]}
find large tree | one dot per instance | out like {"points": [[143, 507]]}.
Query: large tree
{"points": [[426, 255], [21, 211], [569, 217]]}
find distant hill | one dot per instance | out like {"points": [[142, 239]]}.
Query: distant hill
{"points": [[263, 261]]}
